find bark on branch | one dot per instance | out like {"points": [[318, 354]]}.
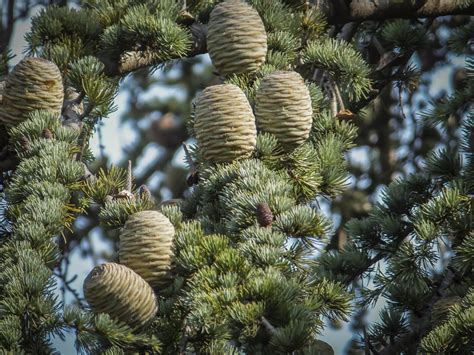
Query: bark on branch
{"points": [[134, 60], [341, 11], [337, 12]]}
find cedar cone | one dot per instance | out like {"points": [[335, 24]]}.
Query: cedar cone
{"points": [[34, 84], [236, 38], [47, 133], [144, 192], [121, 293], [283, 108], [25, 142], [224, 124], [146, 243], [264, 215]]}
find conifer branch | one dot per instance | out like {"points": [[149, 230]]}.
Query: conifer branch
{"points": [[368, 265], [134, 60], [338, 12], [417, 334]]}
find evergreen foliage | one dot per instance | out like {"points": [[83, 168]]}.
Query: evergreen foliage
{"points": [[241, 284]]}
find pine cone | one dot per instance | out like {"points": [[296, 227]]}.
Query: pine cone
{"points": [[283, 108], [264, 215], [121, 293], [47, 133], [144, 192], [34, 84], [224, 124], [146, 246], [25, 143], [236, 38]]}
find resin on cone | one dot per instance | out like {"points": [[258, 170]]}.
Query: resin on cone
{"points": [[34, 84], [121, 293], [146, 243], [283, 108], [224, 124], [236, 38]]}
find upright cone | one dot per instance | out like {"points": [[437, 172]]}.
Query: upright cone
{"points": [[283, 108], [34, 84], [236, 38], [121, 293], [224, 124], [146, 243]]}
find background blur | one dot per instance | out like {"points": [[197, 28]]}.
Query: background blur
{"points": [[149, 127]]}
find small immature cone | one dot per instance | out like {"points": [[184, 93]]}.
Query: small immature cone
{"points": [[34, 84], [146, 243], [264, 215], [283, 108], [121, 293], [236, 38], [224, 124], [25, 143], [47, 133], [144, 192]]}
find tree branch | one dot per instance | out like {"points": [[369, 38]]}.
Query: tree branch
{"points": [[7, 29], [417, 334], [338, 12], [134, 60]]}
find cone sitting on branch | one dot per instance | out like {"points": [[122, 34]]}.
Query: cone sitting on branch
{"points": [[264, 215], [224, 124], [146, 246], [283, 108], [121, 293], [236, 38], [34, 84]]}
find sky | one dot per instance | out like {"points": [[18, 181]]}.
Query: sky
{"points": [[115, 137]]}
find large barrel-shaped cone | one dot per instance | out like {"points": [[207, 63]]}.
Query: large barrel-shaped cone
{"points": [[283, 108], [146, 243], [236, 38], [121, 293], [224, 124], [34, 84]]}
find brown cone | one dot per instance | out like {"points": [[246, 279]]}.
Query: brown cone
{"points": [[264, 215], [47, 133]]}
